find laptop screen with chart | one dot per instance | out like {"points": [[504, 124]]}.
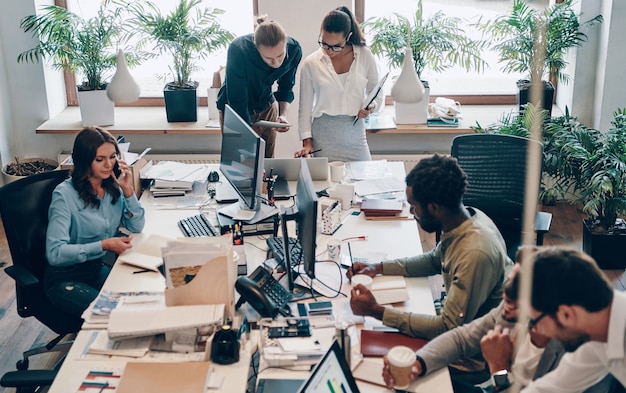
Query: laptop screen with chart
{"points": [[332, 374]]}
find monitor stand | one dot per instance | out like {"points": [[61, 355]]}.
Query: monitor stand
{"points": [[235, 212]]}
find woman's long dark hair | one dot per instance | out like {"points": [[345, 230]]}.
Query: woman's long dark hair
{"points": [[341, 20], [87, 142]]}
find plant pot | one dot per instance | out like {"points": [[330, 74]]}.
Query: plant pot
{"points": [[180, 104], [607, 249], [523, 95], [414, 113], [96, 109], [7, 178]]}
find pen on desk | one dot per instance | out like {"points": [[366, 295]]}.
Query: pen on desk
{"points": [[142, 271]]}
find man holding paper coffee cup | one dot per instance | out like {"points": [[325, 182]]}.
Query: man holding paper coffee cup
{"points": [[471, 255]]}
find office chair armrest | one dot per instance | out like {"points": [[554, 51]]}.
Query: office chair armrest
{"points": [[543, 220], [28, 378], [21, 275]]}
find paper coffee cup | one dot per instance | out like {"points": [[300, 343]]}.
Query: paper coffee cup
{"points": [[401, 359], [362, 279], [333, 246]]}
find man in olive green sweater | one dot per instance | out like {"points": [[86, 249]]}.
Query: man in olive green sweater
{"points": [[471, 256]]}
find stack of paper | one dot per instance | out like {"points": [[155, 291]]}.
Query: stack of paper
{"points": [[134, 347], [174, 178], [125, 323]]}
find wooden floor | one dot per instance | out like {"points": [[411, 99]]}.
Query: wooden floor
{"points": [[19, 334]]}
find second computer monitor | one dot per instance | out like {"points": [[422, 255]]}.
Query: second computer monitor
{"points": [[306, 218], [241, 161]]}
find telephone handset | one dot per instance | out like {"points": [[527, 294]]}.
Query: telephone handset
{"points": [[266, 295]]}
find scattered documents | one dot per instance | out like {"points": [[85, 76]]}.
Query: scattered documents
{"points": [[176, 171], [134, 347]]}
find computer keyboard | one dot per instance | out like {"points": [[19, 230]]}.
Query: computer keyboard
{"points": [[197, 225], [275, 244]]}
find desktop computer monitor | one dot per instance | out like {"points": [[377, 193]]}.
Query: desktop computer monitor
{"points": [[304, 212], [241, 161], [306, 219]]}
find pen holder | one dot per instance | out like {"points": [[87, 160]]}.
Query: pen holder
{"points": [[331, 218]]}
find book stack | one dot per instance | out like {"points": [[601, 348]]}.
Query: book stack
{"points": [[382, 208], [445, 122], [164, 188]]}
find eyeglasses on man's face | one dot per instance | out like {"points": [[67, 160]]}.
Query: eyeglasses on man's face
{"points": [[332, 48], [534, 321]]}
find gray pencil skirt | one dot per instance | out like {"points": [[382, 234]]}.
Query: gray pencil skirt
{"points": [[339, 139]]}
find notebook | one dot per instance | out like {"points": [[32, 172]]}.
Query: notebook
{"points": [[331, 374]]}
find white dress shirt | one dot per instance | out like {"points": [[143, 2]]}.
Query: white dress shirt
{"points": [[322, 91], [593, 360]]}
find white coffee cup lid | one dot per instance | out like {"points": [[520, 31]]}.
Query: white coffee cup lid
{"points": [[362, 279], [401, 356]]}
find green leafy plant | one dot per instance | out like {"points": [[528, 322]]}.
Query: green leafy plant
{"points": [[438, 42], [514, 37], [594, 163], [87, 47], [187, 34]]}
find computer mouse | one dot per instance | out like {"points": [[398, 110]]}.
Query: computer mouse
{"points": [[214, 177]]}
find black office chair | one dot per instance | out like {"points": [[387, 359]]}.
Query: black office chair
{"points": [[496, 173], [24, 210]]}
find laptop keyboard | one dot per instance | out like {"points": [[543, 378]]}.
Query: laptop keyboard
{"points": [[198, 225], [275, 244]]}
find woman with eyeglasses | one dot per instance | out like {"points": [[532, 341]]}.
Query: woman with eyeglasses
{"points": [[334, 81], [254, 63], [84, 218]]}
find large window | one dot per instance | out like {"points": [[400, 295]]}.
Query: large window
{"points": [[237, 18], [457, 81]]}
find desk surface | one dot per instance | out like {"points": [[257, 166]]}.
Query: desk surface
{"points": [[393, 238]]}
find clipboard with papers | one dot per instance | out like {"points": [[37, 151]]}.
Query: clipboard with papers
{"points": [[374, 93]]}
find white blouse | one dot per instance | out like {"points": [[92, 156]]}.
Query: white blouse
{"points": [[322, 90]]}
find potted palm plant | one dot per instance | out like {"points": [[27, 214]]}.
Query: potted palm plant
{"points": [[514, 36], [593, 163], [84, 47], [187, 34], [437, 43]]}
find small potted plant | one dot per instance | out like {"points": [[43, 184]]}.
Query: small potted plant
{"points": [[514, 36], [84, 47], [437, 43], [187, 34], [20, 168]]}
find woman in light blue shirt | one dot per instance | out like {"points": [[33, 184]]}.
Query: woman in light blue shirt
{"points": [[84, 217]]}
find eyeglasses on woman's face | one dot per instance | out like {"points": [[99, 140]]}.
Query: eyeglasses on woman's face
{"points": [[332, 48]]}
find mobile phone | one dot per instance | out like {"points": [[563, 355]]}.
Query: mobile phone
{"points": [[116, 170]]}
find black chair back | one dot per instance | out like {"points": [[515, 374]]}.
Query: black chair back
{"points": [[24, 210], [496, 173]]}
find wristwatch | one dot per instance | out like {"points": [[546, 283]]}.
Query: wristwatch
{"points": [[500, 380]]}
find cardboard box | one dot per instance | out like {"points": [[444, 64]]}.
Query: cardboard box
{"points": [[135, 168]]}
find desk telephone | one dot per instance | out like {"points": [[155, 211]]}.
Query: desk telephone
{"points": [[266, 295]]}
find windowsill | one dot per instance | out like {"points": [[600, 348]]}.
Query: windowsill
{"points": [[152, 120]]}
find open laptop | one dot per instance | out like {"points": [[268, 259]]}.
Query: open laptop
{"points": [[332, 373], [287, 170]]}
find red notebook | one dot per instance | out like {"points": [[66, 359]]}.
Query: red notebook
{"points": [[377, 343]]}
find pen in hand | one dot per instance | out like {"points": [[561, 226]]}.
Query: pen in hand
{"points": [[306, 154]]}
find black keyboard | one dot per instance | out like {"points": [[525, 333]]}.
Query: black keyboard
{"points": [[197, 226], [275, 244]]}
